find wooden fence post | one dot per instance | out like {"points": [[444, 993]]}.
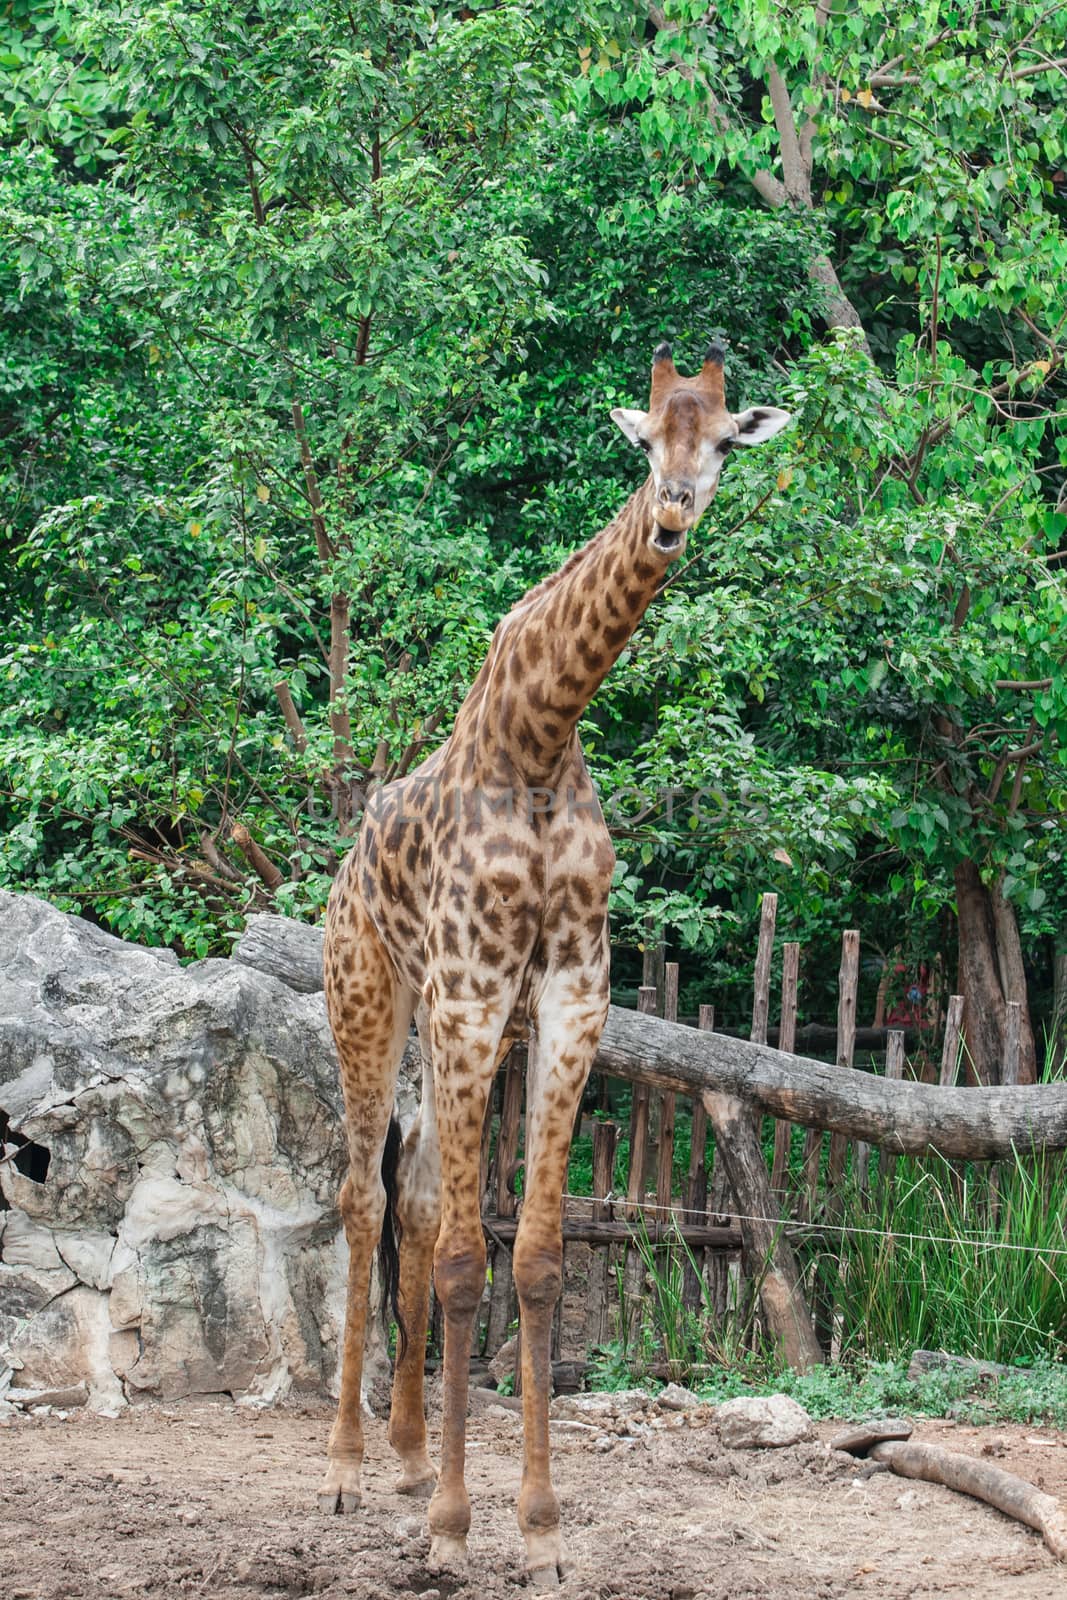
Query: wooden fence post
{"points": [[696, 1195], [848, 986], [633, 1272], [1009, 1079], [761, 992], [646, 1004], [950, 1064], [787, 1034], [761, 1011], [652, 963], [667, 1106], [950, 1049], [605, 1142], [696, 1189], [822, 1288], [894, 1068]]}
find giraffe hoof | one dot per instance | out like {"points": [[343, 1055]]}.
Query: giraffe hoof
{"points": [[340, 1493], [418, 1488], [545, 1563], [339, 1502], [447, 1554], [545, 1577]]}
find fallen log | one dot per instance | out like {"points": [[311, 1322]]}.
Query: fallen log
{"points": [[904, 1118], [1004, 1491], [284, 948]]}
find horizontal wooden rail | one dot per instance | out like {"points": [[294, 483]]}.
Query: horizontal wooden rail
{"points": [[579, 1230]]}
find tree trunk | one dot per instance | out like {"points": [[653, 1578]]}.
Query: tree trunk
{"points": [[990, 973], [1058, 1042], [837, 310]]}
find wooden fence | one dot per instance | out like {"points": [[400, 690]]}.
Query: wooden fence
{"points": [[725, 1204]]}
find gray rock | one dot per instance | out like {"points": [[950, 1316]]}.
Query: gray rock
{"points": [[603, 1406], [761, 1422], [503, 1363], [676, 1398], [172, 1225]]}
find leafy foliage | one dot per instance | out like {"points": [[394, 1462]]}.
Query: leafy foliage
{"points": [[319, 321]]}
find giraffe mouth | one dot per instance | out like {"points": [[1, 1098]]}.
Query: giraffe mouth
{"points": [[668, 541]]}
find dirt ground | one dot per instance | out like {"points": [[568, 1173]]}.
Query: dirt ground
{"points": [[212, 1499]]}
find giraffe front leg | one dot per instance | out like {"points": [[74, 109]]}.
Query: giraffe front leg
{"points": [[340, 1491], [369, 1014], [459, 1278], [570, 1020], [464, 1060], [538, 1269]]}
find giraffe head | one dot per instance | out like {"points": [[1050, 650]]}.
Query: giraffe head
{"points": [[687, 433]]}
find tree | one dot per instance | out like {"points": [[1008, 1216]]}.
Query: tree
{"points": [[928, 146], [937, 121], [301, 253]]}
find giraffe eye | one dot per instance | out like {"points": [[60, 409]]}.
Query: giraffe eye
{"points": [[645, 445], [726, 445]]}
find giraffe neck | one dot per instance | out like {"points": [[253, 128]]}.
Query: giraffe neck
{"points": [[551, 653]]}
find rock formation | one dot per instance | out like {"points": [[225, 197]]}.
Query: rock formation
{"points": [[171, 1149]]}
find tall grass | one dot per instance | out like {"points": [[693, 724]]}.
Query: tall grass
{"points": [[661, 1330], [960, 1260], [937, 1256]]}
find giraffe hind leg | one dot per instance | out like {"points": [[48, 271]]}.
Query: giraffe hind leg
{"points": [[369, 1012]]}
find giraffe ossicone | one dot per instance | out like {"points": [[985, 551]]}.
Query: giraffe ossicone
{"points": [[486, 921]]}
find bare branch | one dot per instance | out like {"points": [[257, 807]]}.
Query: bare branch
{"points": [[292, 716], [318, 522], [211, 854], [257, 859]]}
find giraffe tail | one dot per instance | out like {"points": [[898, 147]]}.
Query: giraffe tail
{"points": [[389, 1246]]}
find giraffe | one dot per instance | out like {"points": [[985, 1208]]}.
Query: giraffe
{"points": [[475, 900]]}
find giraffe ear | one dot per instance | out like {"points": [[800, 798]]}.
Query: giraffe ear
{"points": [[631, 422], [759, 423]]}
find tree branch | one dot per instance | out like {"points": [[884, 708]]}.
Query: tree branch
{"points": [[257, 859], [318, 522], [797, 178], [292, 716]]}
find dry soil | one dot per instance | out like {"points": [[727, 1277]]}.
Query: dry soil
{"points": [[215, 1500]]}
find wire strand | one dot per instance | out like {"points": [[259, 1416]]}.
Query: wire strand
{"points": [[978, 1241]]}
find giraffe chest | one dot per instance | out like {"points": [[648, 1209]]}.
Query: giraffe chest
{"points": [[482, 884], [487, 911]]}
